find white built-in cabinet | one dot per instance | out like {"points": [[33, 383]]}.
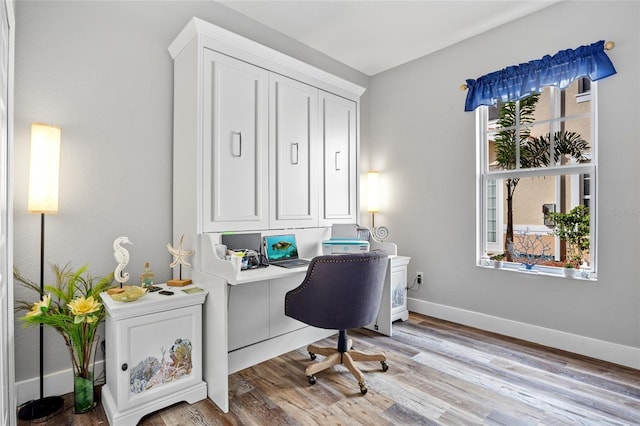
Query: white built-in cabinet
{"points": [[262, 142], [268, 142]]}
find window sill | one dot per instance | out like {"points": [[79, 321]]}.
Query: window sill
{"points": [[547, 271]]}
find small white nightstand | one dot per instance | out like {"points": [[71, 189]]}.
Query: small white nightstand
{"points": [[393, 306], [153, 353]]}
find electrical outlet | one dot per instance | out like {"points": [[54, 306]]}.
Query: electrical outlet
{"points": [[419, 277]]}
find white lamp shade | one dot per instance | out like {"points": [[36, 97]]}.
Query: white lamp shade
{"points": [[44, 169], [372, 189]]}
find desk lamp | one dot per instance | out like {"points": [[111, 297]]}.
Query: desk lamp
{"points": [[44, 170]]}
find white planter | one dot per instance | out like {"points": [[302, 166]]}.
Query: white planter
{"points": [[569, 272]]}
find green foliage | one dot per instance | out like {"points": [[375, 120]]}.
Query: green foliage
{"points": [[534, 151], [71, 306], [507, 139], [574, 228]]}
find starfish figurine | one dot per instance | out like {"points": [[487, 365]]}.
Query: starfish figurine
{"points": [[179, 254]]}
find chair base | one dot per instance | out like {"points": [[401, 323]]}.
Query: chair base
{"points": [[346, 357]]}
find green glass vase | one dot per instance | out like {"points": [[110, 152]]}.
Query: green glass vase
{"points": [[83, 394], [83, 361]]}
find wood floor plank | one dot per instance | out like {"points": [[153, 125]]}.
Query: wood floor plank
{"points": [[440, 373]]}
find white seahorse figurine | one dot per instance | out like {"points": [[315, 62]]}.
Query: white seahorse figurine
{"points": [[122, 257]]}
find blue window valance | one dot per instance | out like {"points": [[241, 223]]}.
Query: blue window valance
{"points": [[519, 81]]}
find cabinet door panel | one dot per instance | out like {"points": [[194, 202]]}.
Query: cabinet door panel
{"points": [[248, 313], [340, 162], [294, 159], [279, 323], [398, 287], [235, 144], [157, 354]]}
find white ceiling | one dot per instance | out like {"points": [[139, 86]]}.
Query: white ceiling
{"points": [[374, 36]]}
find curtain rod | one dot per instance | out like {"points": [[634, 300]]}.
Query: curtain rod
{"points": [[607, 46]]}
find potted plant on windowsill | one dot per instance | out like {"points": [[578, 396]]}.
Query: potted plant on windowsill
{"points": [[574, 229], [497, 260], [569, 270]]}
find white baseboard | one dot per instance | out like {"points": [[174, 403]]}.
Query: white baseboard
{"points": [[58, 383], [611, 352]]}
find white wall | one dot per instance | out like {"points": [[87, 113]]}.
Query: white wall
{"points": [[102, 72], [423, 143]]}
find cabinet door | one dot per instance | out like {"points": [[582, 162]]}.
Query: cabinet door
{"points": [[278, 322], [398, 276], [157, 355], [235, 132], [294, 157], [338, 132], [398, 288], [248, 314]]}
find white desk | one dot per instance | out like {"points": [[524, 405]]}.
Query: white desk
{"points": [[244, 321]]}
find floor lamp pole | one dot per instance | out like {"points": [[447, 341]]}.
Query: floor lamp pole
{"points": [[44, 406], [41, 298]]}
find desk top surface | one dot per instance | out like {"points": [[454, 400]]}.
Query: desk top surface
{"points": [[274, 272]]}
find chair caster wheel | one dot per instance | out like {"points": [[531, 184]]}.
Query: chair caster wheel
{"points": [[363, 388], [385, 366], [312, 380], [312, 356]]}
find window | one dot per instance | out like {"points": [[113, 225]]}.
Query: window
{"points": [[536, 152]]}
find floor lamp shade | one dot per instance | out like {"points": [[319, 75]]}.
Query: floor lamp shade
{"points": [[44, 169]]}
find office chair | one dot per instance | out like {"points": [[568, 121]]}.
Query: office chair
{"points": [[340, 292]]}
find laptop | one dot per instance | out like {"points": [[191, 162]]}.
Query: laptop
{"points": [[282, 250]]}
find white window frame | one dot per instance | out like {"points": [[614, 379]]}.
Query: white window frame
{"points": [[483, 174]]}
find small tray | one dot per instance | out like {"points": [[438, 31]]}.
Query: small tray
{"points": [[131, 293]]}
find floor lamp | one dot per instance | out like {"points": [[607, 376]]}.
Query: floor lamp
{"points": [[44, 170]]}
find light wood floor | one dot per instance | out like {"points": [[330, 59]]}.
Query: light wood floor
{"points": [[440, 374]]}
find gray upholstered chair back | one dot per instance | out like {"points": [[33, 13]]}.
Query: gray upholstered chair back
{"points": [[339, 292]]}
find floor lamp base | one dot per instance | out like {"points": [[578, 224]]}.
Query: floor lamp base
{"points": [[40, 408]]}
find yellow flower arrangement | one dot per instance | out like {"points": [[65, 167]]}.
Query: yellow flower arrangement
{"points": [[82, 307], [75, 313], [40, 307]]}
